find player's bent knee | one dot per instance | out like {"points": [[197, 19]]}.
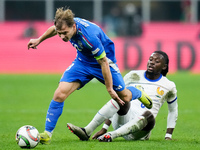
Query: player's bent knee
{"points": [[125, 95], [59, 96], [64, 90], [147, 114], [124, 109], [150, 121]]}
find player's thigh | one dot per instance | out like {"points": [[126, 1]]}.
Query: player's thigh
{"points": [[120, 120], [125, 95], [64, 90]]}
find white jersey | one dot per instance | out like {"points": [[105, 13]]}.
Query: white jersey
{"points": [[159, 90]]}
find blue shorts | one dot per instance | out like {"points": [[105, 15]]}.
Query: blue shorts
{"points": [[83, 73]]}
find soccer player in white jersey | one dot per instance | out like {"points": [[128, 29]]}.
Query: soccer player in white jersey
{"points": [[134, 121]]}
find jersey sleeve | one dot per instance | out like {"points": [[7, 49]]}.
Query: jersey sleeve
{"points": [[172, 94], [172, 107], [98, 50], [93, 41], [95, 46], [172, 114]]}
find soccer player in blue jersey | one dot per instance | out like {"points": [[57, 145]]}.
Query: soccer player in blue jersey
{"points": [[95, 59]]}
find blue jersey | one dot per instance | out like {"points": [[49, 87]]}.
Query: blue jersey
{"points": [[90, 42]]}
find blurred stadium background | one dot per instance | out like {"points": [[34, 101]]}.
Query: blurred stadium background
{"points": [[138, 27], [28, 78]]}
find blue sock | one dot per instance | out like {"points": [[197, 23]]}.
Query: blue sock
{"points": [[135, 92], [53, 113]]}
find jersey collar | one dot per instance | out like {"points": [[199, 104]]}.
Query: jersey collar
{"points": [[76, 31], [150, 79]]}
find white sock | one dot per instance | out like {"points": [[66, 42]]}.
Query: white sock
{"points": [[134, 125], [106, 112], [49, 133]]}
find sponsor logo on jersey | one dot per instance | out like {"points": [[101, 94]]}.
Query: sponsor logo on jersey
{"points": [[95, 51], [119, 87], [48, 120]]}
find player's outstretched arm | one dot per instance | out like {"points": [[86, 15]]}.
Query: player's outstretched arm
{"points": [[103, 129], [99, 133], [108, 79], [33, 43], [171, 119]]}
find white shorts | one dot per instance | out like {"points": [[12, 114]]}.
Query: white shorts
{"points": [[134, 111]]}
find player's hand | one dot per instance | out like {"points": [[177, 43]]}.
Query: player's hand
{"points": [[33, 43], [114, 96], [99, 133]]}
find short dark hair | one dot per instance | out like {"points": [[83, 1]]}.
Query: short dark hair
{"points": [[166, 59]]}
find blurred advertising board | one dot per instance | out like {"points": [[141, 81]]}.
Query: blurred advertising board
{"points": [[179, 40]]}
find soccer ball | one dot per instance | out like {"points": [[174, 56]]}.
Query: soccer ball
{"points": [[27, 137]]}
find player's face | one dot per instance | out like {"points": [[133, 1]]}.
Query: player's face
{"points": [[156, 64], [66, 33]]}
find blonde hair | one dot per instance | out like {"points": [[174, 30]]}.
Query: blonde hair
{"points": [[64, 16]]}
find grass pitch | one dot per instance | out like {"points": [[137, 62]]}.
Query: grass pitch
{"points": [[24, 99]]}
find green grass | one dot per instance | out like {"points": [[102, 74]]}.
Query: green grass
{"points": [[24, 99]]}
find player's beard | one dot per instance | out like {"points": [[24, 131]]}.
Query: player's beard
{"points": [[149, 73], [152, 74]]}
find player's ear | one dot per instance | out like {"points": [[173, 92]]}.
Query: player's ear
{"points": [[164, 67], [74, 27]]}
